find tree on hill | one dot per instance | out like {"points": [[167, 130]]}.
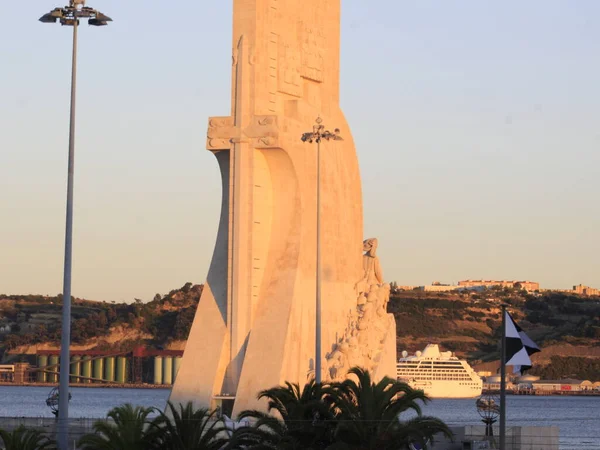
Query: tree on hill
{"points": [[569, 367]]}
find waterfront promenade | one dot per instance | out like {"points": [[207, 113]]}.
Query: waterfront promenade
{"points": [[88, 385], [77, 427], [576, 416], [545, 393]]}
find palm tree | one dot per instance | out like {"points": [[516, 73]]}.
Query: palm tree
{"points": [[369, 414], [23, 438], [186, 428], [305, 420], [125, 429]]}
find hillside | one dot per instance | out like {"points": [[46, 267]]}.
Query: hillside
{"points": [[31, 322], [564, 325]]}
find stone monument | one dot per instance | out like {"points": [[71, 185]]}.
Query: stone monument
{"points": [[255, 323]]}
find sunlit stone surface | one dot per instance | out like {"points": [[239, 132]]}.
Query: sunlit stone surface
{"points": [[255, 324]]}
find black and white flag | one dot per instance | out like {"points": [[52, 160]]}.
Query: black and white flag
{"points": [[519, 347]]}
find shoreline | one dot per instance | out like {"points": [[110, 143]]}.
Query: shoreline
{"points": [[168, 387], [92, 385], [547, 393]]}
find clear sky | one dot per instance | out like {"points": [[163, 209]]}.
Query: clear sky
{"points": [[476, 124]]}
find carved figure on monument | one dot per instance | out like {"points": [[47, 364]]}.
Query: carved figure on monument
{"points": [[371, 264], [372, 274], [255, 326], [365, 336]]}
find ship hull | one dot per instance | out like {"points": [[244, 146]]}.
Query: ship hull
{"points": [[447, 389]]}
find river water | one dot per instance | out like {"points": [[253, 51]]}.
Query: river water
{"points": [[578, 418]]}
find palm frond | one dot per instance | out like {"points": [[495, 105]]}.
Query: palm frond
{"points": [[125, 427], [183, 427], [23, 438]]}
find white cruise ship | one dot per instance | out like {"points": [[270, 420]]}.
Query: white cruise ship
{"points": [[439, 374]]}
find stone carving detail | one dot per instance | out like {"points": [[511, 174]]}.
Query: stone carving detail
{"points": [[262, 132], [289, 77], [303, 59], [264, 142], [266, 120], [313, 43], [219, 122], [363, 339], [218, 144], [235, 53], [220, 131]]}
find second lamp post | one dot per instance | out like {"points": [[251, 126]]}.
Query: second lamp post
{"points": [[69, 16], [317, 135]]}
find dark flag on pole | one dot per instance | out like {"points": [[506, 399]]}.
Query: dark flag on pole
{"points": [[515, 351], [519, 347]]}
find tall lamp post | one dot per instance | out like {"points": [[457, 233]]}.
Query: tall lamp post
{"points": [[69, 16], [317, 135]]}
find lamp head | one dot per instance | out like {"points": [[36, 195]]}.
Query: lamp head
{"points": [[102, 17], [47, 18], [99, 20], [52, 16], [70, 15]]}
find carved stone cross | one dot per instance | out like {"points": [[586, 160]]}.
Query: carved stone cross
{"points": [[241, 134], [262, 132], [243, 127]]}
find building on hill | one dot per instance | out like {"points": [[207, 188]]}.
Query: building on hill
{"points": [[585, 290], [44, 318], [439, 288], [5, 325], [526, 285], [405, 288]]}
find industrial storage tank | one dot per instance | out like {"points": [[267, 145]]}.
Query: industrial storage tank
{"points": [[86, 369], [53, 361], [176, 366], [158, 375], [109, 368], [99, 368], [42, 363], [75, 368], [167, 370], [526, 379], [121, 372]]}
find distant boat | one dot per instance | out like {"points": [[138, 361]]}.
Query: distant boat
{"points": [[439, 374]]}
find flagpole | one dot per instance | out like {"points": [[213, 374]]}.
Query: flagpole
{"points": [[503, 382]]}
